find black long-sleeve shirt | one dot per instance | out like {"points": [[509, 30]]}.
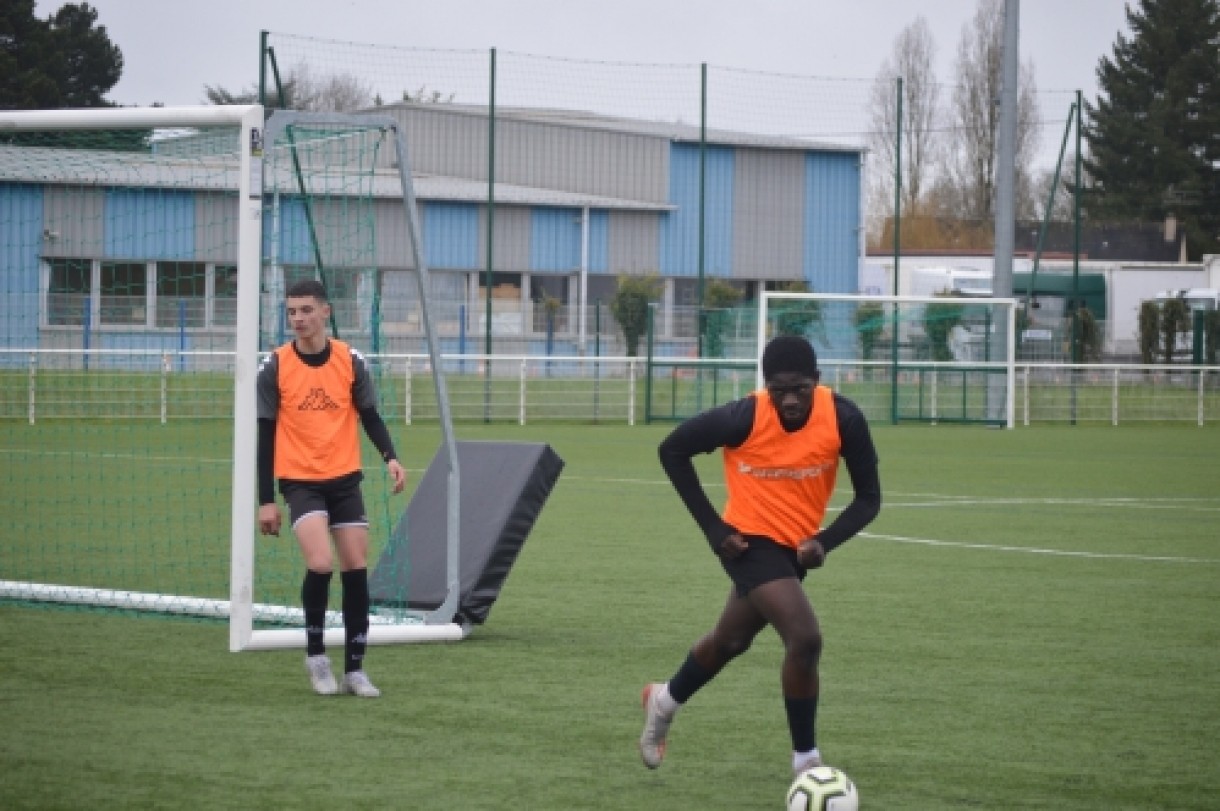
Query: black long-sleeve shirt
{"points": [[730, 425]]}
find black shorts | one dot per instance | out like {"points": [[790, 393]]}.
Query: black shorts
{"points": [[764, 561], [339, 499]]}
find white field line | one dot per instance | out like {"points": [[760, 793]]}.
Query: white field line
{"points": [[1191, 504], [1033, 550], [940, 500]]}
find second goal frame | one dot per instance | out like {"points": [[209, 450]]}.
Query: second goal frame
{"points": [[999, 361]]}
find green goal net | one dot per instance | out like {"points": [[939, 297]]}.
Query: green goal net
{"points": [[145, 257]]}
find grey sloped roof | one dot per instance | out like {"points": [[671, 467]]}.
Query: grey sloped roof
{"points": [[672, 131], [82, 167]]}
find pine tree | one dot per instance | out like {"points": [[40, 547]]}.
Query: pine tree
{"points": [[66, 60], [1154, 134]]}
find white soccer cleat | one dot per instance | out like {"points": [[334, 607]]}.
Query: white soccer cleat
{"points": [[656, 727], [357, 683], [320, 675]]}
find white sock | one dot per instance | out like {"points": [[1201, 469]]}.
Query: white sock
{"points": [[665, 702], [800, 758]]}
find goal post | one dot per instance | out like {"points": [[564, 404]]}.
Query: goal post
{"points": [[911, 358], [146, 254], [303, 150]]}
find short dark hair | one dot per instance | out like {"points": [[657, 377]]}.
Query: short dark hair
{"points": [[790, 353], [307, 287]]}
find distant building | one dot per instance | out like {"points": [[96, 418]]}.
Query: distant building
{"points": [[578, 200]]}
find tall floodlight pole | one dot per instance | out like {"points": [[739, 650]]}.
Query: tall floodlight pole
{"points": [[1005, 182], [897, 246], [701, 255], [491, 233], [1005, 186], [1075, 301]]}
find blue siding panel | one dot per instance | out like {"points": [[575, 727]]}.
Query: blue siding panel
{"points": [[20, 243], [555, 240], [451, 235], [599, 241], [832, 222], [149, 224], [295, 247], [680, 228]]}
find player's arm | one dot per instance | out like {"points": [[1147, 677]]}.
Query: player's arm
{"points": [[728, 425], [860, 457], [379, 435], [364, 395], [268, 403]]}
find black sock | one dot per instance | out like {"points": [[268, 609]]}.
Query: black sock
{"points": [[355, 617], [314, 593], [689, 678], [802, 718]]}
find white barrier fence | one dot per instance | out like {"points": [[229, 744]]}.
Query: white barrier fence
{"points": [[38, 385]]}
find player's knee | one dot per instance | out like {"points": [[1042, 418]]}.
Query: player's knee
{"points": [[806, 646]]}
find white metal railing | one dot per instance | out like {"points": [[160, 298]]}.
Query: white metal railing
{"points": [[1114, 393], [158, 385]]}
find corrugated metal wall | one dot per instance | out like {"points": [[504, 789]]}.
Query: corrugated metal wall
{"points": [[832, 221], [555, 237], [215, 240], [680, 228], [149, 224], [452, 142], [21, 238], [75, 215], [632, 242], [513, 237], [768, 204], [451, 234]]}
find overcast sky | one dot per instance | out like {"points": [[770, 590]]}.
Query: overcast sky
{"points": [[172, 48]]}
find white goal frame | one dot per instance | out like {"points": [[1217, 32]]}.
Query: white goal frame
{"points": [[240, 609], [1007, 331]]}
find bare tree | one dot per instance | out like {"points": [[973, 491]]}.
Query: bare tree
{"points": [[971, 162], [331, 93], [338, 92], [912, 59]]}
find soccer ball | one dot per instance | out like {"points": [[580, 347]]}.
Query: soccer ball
{"points": [[822, 788]]}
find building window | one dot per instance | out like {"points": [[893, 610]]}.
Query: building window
{"points": [[181, 294], [124, 293], [224, 296], [69, 292], [686, 292]]}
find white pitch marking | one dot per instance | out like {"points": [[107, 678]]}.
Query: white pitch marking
{"points": [[1034, 550]]}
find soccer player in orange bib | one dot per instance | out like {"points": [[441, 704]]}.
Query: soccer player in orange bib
{"points": [[781, 450], [311, 393]]}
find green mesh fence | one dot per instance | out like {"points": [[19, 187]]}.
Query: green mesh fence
{"points": [[116, 366], [928, 360]]}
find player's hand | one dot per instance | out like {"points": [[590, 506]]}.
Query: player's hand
{"points": [[398, 474], [269, 519], [733, 546], [811, 554]]}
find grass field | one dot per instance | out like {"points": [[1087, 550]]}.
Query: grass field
{"points": [[1032, 622]]}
